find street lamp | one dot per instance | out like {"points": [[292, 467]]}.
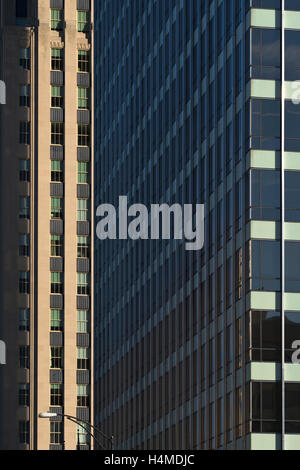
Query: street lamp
{"points": [[84, 424]]}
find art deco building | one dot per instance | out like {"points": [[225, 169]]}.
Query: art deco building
{"points": [[195, 102], [46, 208]]}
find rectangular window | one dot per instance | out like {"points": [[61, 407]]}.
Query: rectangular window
{"points": [[57, 320], [24, 282], [57, 59], [266, 407], [83, 98], [83, 210], [21, 8], [84, 135], [57, 171], [24, 320], [24, 208], [24, 174], [83, 172], [24, 244], [24, 133], [265, 65], [57, 19], [82, 436], [264, 194], [83, 247], [25, 95], [57, 208], [83, 319], [24, 395], [83, 21], [83, 358], [265, 130], [83, 395], [25, 58], [56, 432], [24, 357], [83, 61], [264, 266], [83, 287], [24, 432], [57, 133], [57, 245], [57, 283], [264, 336], [56, 395], [57, 97], [56, 361]]}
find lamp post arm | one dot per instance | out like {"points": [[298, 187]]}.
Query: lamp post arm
{"points": [[95, 429], [85, 425]]}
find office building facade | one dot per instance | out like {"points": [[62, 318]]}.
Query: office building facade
{"points": [[196, 102], [46, 216]]}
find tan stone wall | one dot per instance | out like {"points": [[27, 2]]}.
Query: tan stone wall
{"points": [[39, 227]]}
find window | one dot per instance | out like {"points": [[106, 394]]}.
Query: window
{"points": [[83, 284], [57, 97], [56, 432], [21, 9], [57, 283], [266, 407], [57, 17], [292, 196], [57, 171], [24, 432], [24, 166], [264, 342], [57, 245], [56, 395], [57, 59], [83, 398], [25, 58], [25, 95], [263, 188], [83, 247], [83, 172], [84, 135], [24, 282], [24, 395], [57, 208], [24, 320], [292, 123], [56, 361], [82, 436], [292, 51], [24, 208], [57, 320], [265, 124], [292, 332], [83, 21], [83, 358], [292, 267], [24, 133], [266, 49], [83, 98], [264, 265], [24, 357], [57, 133], [82, 209], [24, 244], [83, 61], [292, 391], [83, 318]]}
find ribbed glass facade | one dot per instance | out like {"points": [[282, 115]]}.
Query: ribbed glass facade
{"points": [[189, 346]]}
